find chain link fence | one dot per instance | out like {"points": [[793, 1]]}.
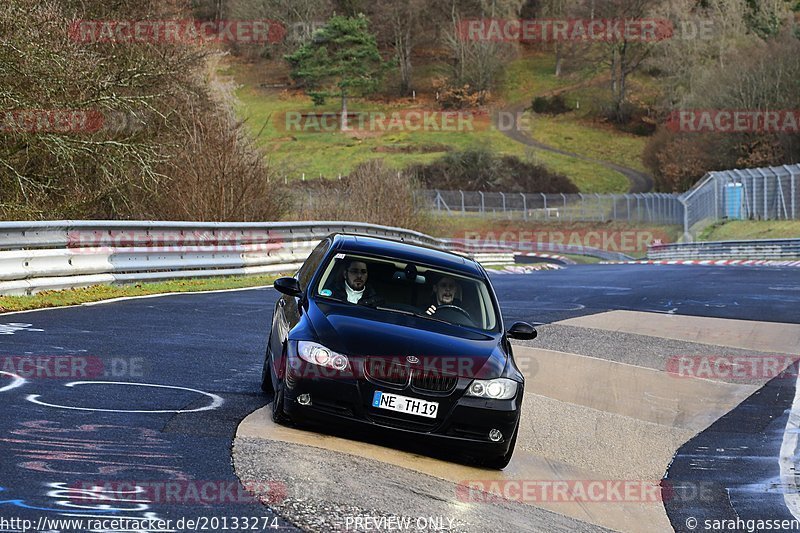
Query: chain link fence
{"points": [[655, 208], [753, 194]]}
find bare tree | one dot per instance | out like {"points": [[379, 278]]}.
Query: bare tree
{"points": [[299, 18], [624, 55], [766, 77], [555, 9], [478, 62], [400, 26], [151, 100], [45, 68]]}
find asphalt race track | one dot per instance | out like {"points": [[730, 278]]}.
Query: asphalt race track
{"points": [[164, 383]]}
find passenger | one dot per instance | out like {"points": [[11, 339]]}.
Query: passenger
{"points": [[353, 287]]}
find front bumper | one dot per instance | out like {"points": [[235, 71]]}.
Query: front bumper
{"points": [[463, 423]]}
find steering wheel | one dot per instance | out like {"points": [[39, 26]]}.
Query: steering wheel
{"points": [[456, 308]]}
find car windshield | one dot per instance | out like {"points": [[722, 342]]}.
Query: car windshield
{"points": [[400, 287]]}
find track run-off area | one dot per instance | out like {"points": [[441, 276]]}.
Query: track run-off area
{"points": [[150, 408]]}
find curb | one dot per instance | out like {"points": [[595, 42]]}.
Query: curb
{"points": [[710, 262], [554, 257], [527, 269]]}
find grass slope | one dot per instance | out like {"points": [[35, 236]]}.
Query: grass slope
{"points": [[752, 229], [97, 293], [330, 153]]}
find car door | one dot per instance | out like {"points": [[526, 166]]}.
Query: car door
{"points": [[288, 309]]}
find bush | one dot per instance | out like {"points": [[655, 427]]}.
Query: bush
{"points": [[760, 76], [677, 162], [555, 105], [166, 148], [540, 105], [455, 97], [479, 169], [372, 193], [220, 176]]}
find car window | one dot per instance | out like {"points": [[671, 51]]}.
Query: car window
{"points": [[400, 287], [312, 263]]}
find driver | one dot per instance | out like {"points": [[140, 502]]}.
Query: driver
{"points": [[444, 293]]}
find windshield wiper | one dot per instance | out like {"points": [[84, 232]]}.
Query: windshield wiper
{"points": [[418, 315], [393, 310]]}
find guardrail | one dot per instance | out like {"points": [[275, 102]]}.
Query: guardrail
{"points": [[37, 256], [756, 249]]}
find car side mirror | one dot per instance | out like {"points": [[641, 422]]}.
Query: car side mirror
{"points": [[522, 331], [288, 286]]}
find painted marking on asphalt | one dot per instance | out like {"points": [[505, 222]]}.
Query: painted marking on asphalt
{"points": [[16, 381], [546, 306], [788, 457], [216, 400], [15, 327], [125, 298]]}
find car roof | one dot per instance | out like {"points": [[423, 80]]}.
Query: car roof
{"points": [[405, 251]]}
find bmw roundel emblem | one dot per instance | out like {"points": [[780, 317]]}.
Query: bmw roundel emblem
{"points": [[413, 360]]}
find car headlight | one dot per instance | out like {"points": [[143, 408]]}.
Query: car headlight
{"points": [[495, 389], [317, 354]]}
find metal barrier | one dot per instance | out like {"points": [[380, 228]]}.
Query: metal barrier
{"points": [[756, 249], [36, 256]]}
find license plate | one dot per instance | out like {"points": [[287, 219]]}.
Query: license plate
{"points": [[404, 404]]}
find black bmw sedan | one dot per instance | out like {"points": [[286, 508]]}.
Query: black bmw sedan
{"points": [[383, 333]]}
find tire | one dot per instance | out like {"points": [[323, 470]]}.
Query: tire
{"points": [[266, 370], [501, 461], [278, 414], [266, 377]]}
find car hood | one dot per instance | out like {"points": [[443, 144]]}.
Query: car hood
{"points": [[359, 331]]}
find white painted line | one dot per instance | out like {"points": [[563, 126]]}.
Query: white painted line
{"points": [[216, 400], [18, 381], [13, 327], [788, 458], [159, 295], [124, 298]]}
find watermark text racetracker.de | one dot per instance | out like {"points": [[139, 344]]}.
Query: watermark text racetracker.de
{"points": [[632, 240], [69, 367], [733, 367], [183, 492], [55, 121], [73, 122], [594, 30], [559, 491], [198, 241], [403, 120], [260, 31], [392, 367], [583, 490], [561, 30], [786, 121], [407, 120]]}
